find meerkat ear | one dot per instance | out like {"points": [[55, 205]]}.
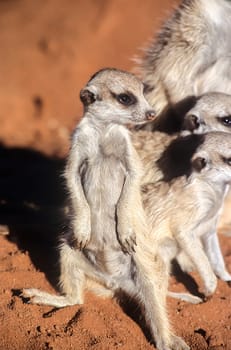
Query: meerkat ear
{"points": [[200, 161], [88, 95]]}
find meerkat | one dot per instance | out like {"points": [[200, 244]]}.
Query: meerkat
{"points": [[197, 114], [210, 112], [190, 55], [108, 248], [183, 193]]}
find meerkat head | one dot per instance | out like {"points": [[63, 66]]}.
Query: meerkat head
{"points": [[205, 155], [211, 112], [213, 157], [115, 96]]}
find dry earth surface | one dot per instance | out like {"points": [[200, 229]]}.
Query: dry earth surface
{"points": [[48, 50]]}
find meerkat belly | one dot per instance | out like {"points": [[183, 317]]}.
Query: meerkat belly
{"points": [[103, 183], [112, 261]]}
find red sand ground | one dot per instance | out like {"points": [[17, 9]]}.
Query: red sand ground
{"points": [[49, 48]]}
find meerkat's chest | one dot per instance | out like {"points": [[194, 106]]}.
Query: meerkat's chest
{"points": [[108, 152], [105, 170]]}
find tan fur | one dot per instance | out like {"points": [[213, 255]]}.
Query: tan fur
{"points": [[211, 112], [183, 201], [191, 54], [108, 250]]}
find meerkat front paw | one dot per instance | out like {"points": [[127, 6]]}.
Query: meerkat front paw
{"points": [[127, 238], [185, 262], [226, 277], [81, 232], [223, 275], [210, 286]]}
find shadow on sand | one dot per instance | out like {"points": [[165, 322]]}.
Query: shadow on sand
{"points": [[32, 201]]}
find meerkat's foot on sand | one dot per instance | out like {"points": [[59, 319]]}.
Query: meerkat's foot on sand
{"points": [[189, 298], [36, 296], [178, 344]]}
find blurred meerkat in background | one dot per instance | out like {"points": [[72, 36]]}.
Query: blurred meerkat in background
{"points": [[191, 55]]}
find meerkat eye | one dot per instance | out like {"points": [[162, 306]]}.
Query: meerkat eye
{"points": [[226, 120], [227, 161], [126, 99]]}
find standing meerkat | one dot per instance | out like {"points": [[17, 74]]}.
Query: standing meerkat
{"points": [[182, 201], [210, 112], [108, 248], [191, 55]]}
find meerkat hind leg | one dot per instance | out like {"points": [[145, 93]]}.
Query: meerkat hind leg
{"points": [[213, 251], [77, 275], [152, 284], [72, 282], [194, 250], [37, 296]]}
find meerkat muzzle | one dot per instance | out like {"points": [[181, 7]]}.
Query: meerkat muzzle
{"points": [[150, 115]]}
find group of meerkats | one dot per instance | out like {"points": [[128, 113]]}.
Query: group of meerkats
{"points": [[139, 198]]}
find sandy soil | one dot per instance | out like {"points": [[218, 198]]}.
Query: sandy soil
{"points": [[49, 48]]}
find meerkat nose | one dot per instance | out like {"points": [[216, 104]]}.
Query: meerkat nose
{"points": [[150, 115]]}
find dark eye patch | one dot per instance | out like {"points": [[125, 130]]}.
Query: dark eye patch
{"points": [[126, 98], [226, 120], [147, 88], [227, 160]]}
